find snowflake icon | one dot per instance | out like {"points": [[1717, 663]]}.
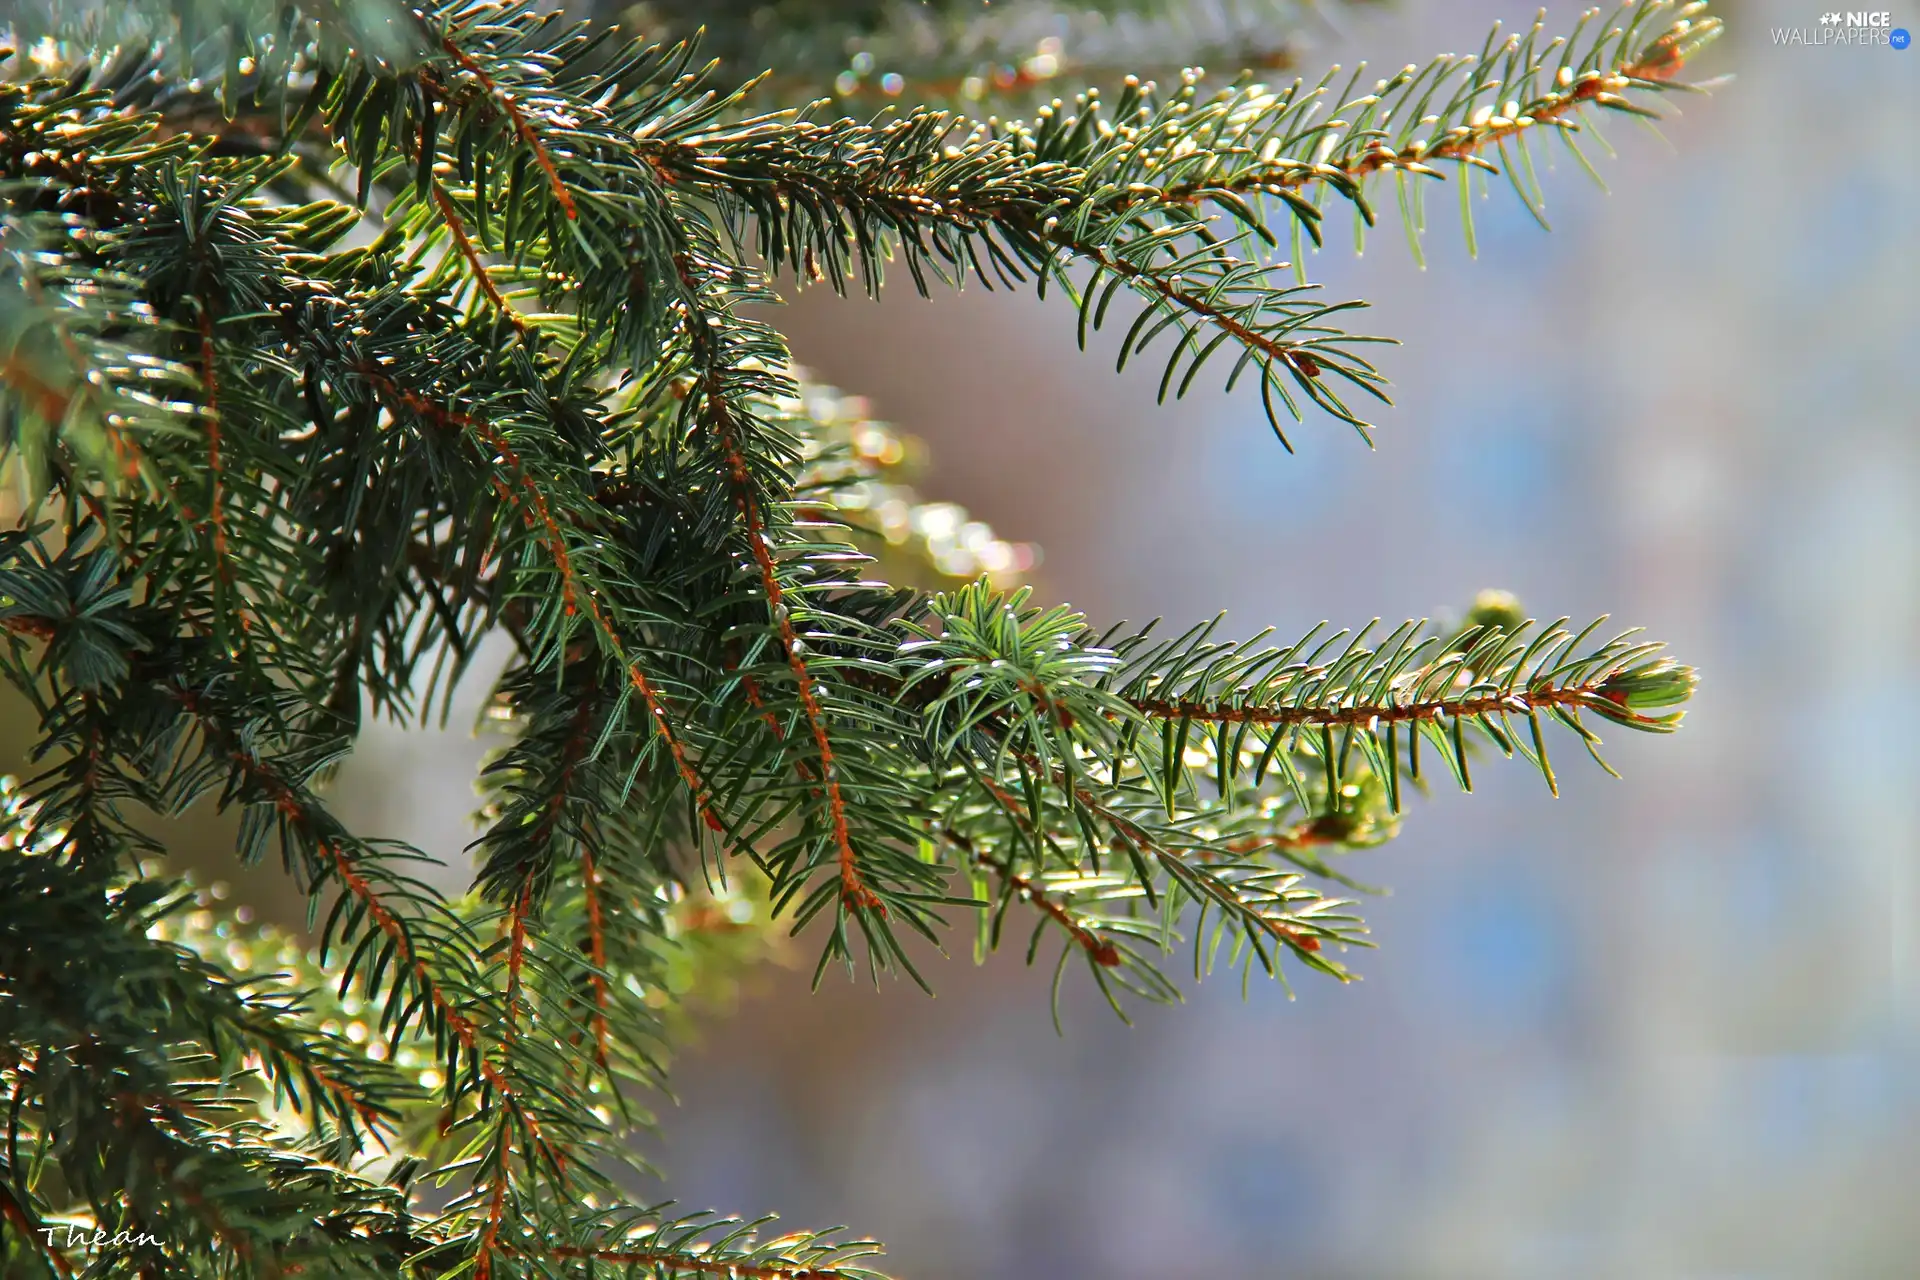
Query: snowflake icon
{"points": [[1829, 19]]}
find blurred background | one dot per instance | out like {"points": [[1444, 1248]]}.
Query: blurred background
{"points": [[1664, 1027]]}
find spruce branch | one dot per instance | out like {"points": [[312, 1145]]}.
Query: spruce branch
{"points": [[104, 1067], [1134, 193], [1115, 193], [719, 414], [322, 366], [1367, 693], [519, 488], [699, 1245]]}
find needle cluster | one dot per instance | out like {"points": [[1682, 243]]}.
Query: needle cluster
{"points": [[337, 340]]}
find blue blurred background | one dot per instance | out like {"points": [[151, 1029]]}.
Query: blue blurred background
{"points": [[1665, 1027]]}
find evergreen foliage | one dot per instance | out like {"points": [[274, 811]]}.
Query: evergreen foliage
{"points": [[334, 340]]}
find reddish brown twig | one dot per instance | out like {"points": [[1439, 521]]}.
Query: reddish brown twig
{"points": [[216, 521], [1132, 832], [520, 123], [1515, 703], [1102, 951], [29, 1229], [1292, 354], [369, 1115], [539, 518], [854, 891], [503, 1171], [1098, 948], [597, 950], [458, 230], [1662, 61], [1305, 835], [299, 814], [38, 628], [496, 1214], [516, 958]]}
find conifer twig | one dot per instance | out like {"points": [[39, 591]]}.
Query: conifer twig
{"points": [[539, 518], [287, 470], [521, 125]]}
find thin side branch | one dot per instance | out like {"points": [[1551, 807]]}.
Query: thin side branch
{"points": [[1512, 703]]}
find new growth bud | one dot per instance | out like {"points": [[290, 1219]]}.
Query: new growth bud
{"points": [[1496, 608], [1647, 687]]}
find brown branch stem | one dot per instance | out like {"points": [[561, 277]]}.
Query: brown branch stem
{"points": [[520, 123], [300, 813], [539, 518], [29, 1227], [1102, 951], [1513, 703], [458, 230], [854, 890]]}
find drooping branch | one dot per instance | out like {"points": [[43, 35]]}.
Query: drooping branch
{"points": [[720, 417], [853, 887], [521, 490], [303, 814]]}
